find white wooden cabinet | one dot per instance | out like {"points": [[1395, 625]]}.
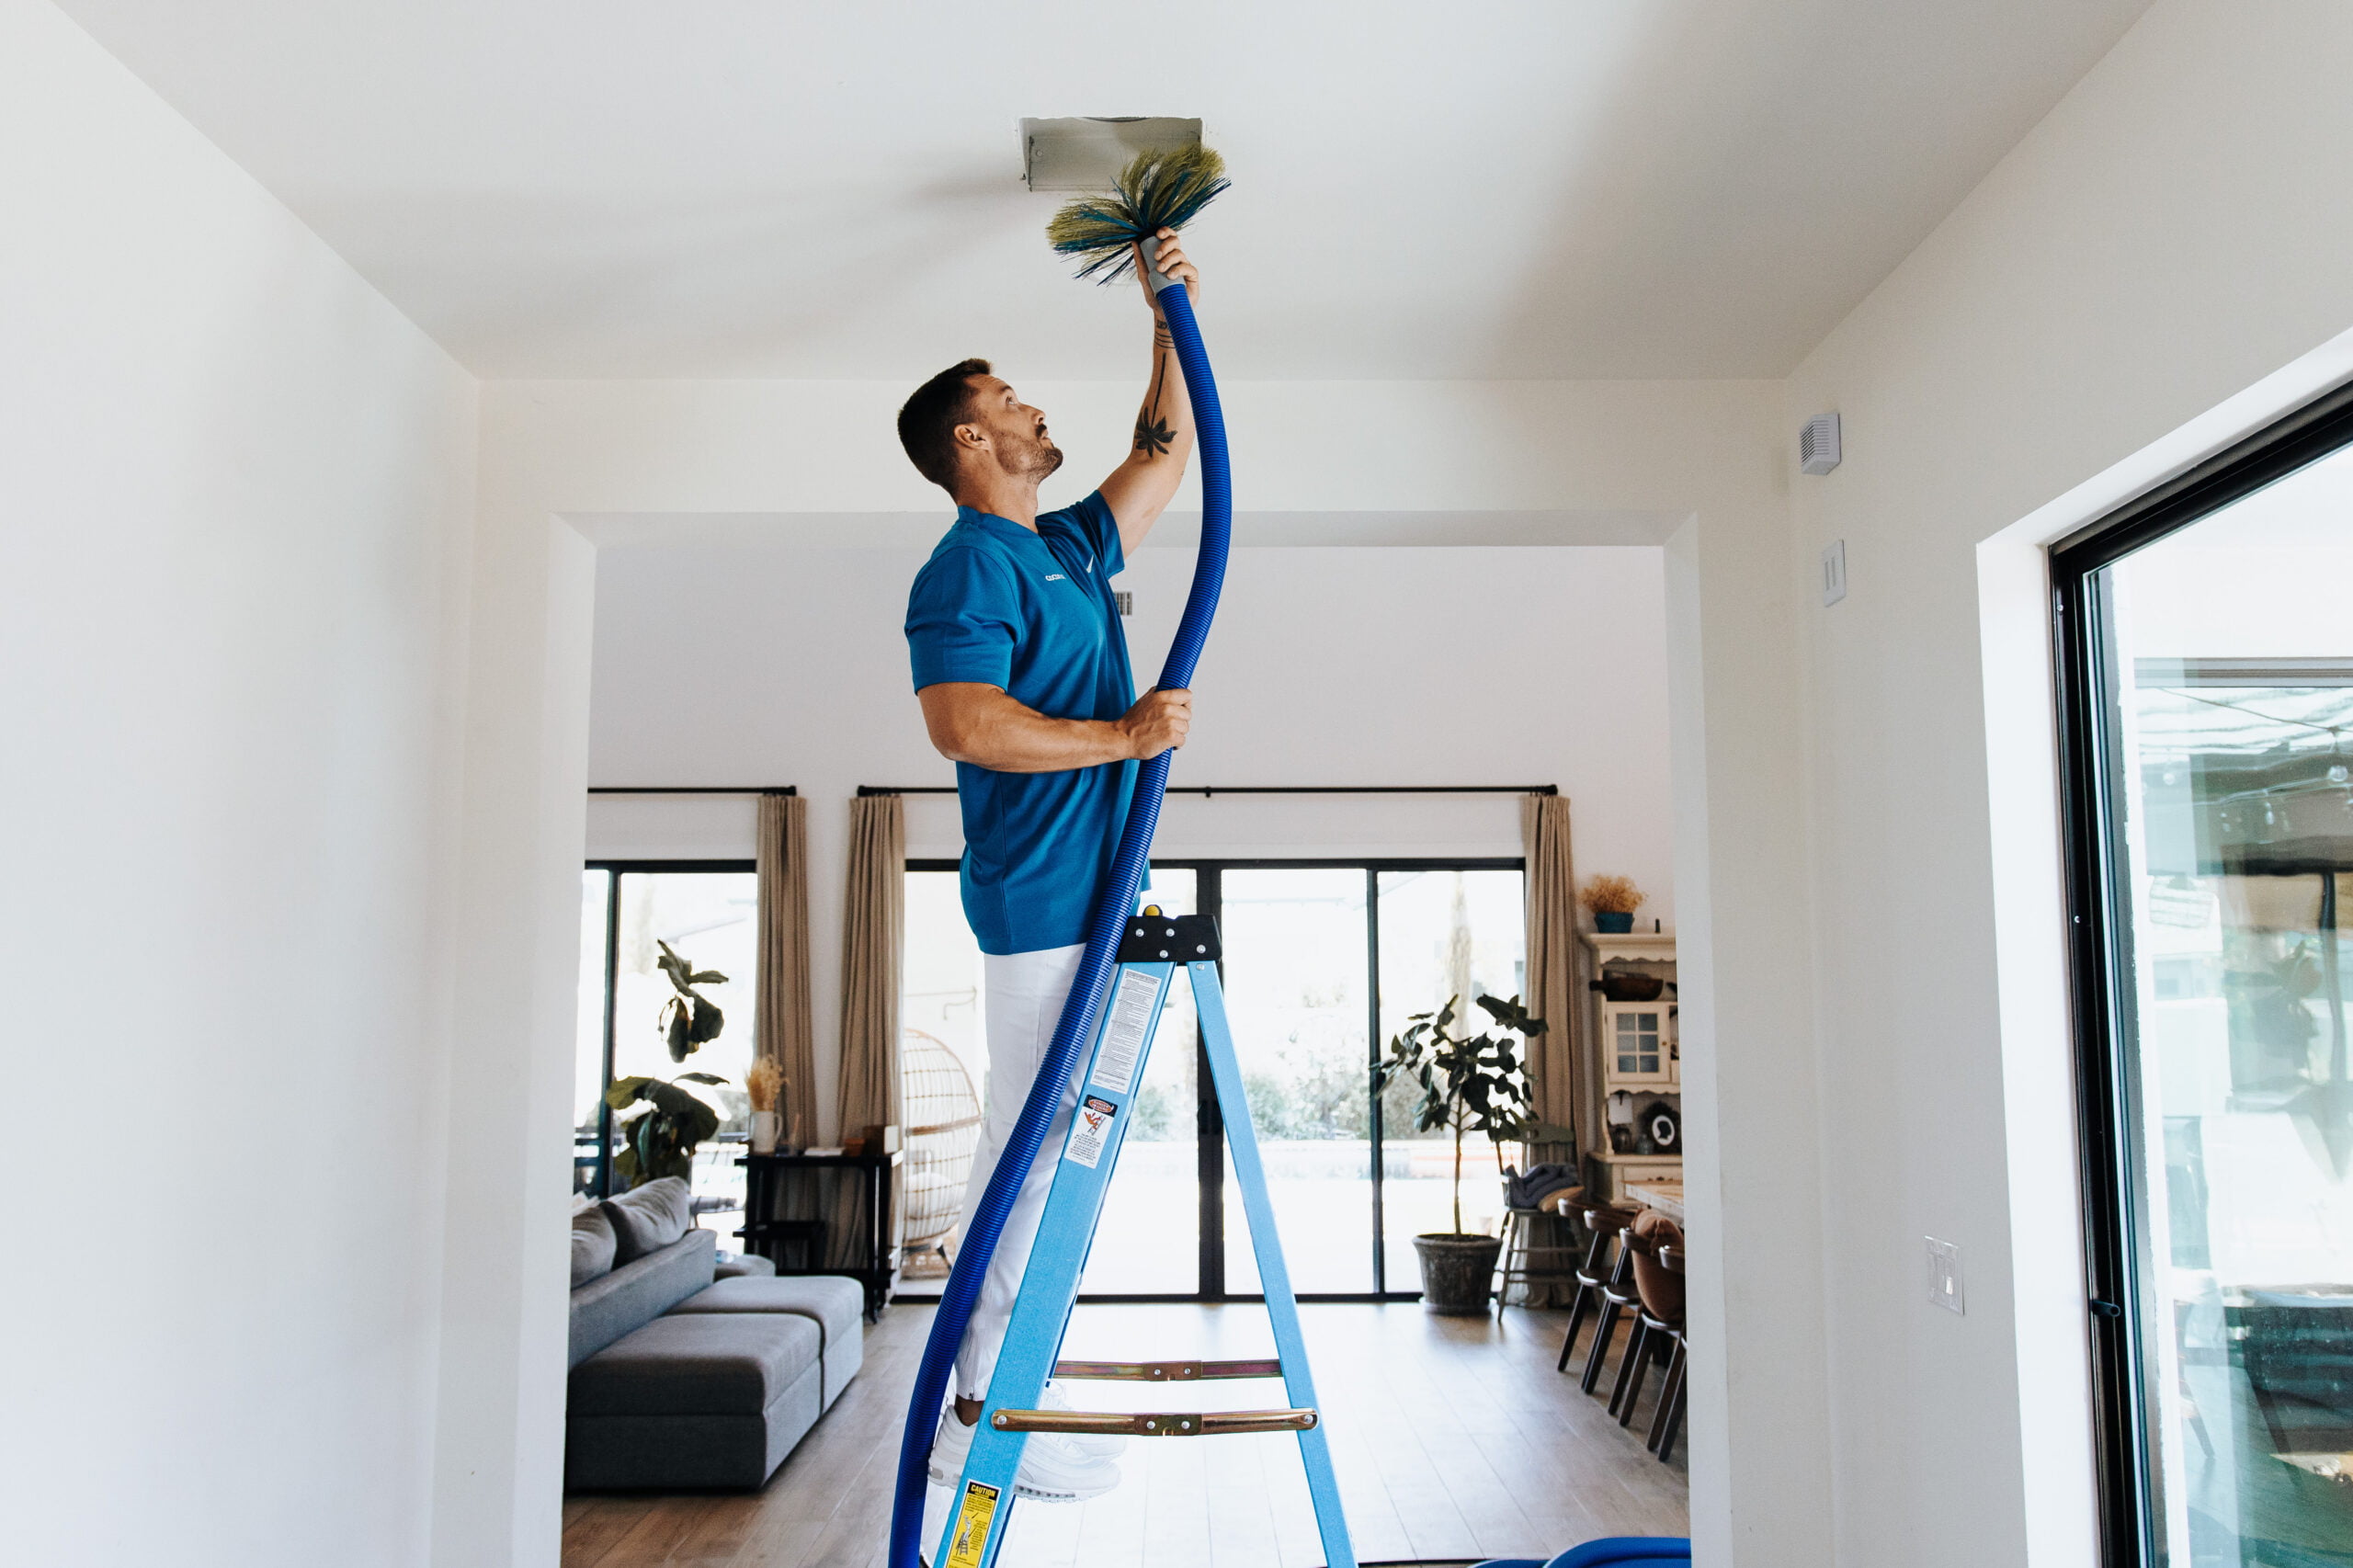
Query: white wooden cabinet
{"points": [[1638, 1046]]}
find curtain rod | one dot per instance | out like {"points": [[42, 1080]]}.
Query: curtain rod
{"points": [[1207, 790], [694, 789]]}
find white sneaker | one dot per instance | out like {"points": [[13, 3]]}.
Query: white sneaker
{"points": [[1110, 1445], [1053, 1468]]}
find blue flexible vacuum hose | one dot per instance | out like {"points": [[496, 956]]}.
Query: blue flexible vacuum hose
{"points": [[1112, 907]]}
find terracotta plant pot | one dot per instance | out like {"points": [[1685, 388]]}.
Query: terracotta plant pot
{"points": [[1458, 1273]]}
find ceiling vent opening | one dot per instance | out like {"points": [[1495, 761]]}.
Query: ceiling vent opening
{"points": [[1084, 154]]}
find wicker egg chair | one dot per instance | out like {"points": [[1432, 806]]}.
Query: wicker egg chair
{"points": [[943, 1120]]}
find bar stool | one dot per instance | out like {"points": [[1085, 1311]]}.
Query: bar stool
{"points": [[1603, 1222], [1617, 1296], [1657, 1317], [1668, 1421], [1517, 1262]]}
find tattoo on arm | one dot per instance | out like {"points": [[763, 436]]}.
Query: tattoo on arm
{"points": [[1153, 434]]}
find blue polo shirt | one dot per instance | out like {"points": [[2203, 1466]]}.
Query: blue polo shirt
{"points": [[1031, 613]]}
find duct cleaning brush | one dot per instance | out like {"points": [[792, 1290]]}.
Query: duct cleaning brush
{"points": [[1157, 190]]}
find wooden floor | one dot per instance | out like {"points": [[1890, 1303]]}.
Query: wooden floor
{"points": [[1454, 1438]]}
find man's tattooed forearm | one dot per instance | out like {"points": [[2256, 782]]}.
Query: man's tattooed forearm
{"points": [[1153, 434]]}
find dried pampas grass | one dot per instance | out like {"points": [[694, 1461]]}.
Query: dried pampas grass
{"points": [[765, 1084], [1611, 896]]}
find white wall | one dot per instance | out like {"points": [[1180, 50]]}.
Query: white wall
{"points": [[2172, 234], [234, 494], [733, 664]]}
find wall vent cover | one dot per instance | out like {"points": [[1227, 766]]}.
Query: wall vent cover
{"points": [[1818, 444], [1127, 600]]}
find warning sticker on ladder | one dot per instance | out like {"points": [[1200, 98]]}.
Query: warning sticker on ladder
{"points": [[972, 1538], [1115, 1064], [1090, 1131]]}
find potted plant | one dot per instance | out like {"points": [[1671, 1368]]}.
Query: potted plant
{"points": [[1477, 1084], [1612, 900], [661, 1141], [689, 1019]]}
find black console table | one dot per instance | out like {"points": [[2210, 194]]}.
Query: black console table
{"points": [[798, 1246]]}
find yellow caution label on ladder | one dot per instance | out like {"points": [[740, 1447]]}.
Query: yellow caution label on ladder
{"points": [[972, 1522]]}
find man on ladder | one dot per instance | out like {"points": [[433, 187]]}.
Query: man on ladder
{"points": [[1021, 666]]}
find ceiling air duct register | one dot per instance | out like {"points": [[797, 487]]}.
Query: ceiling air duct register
{"points": [[1085, 153]]}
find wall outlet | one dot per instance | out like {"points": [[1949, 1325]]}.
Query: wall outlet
{"points": [[1833, 572], [1944, 1275]]}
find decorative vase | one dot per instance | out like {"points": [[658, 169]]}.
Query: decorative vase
{"points": [[1613, 922], [1458, 1273], [766, 1127]]}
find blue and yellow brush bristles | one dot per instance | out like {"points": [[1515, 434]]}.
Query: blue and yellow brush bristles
{"points": [[1156, 191]]}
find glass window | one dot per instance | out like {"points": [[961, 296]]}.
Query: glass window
{"points": [[1296, 991], [943, 1066], [1299, 973], [709, 918], [1148, 1240], [1637, 1042], [1444, 934], [2219, 661]]}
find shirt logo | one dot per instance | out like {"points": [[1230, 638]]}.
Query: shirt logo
{"points": [[1056, 577]]}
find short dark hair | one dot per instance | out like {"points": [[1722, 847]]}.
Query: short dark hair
{"points": [[927, 420]]}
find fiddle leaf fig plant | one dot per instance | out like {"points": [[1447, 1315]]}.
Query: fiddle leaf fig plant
{"points": [[660, 1141], [1469, 1084], [689, 1019]]}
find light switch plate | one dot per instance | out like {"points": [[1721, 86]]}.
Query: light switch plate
{"points": [[1944, 1275], [1833, 572]]}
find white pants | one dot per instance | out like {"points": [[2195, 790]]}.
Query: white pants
{"points": [[1025, 991]]}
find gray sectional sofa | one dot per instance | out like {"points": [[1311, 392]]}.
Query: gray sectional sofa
{"points": [[682, 1378]]}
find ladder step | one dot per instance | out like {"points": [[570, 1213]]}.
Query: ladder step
{"points": [[1111, 1422], [1163, 1371]]}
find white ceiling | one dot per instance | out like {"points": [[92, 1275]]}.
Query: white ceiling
{"points": [[769, 188]]}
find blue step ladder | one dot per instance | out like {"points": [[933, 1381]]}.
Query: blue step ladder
{"points": [[1154, 946]]}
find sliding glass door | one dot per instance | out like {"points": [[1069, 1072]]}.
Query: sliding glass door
{"points": [[2207, 654], [1297, 981], [1323, 962]]}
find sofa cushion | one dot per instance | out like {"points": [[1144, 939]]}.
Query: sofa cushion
{"points": [[649, 1218], [670, 1453], [592, 1244], [697, 1364], [834, 1304], [607, 1308]]}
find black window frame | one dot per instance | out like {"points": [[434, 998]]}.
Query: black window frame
{"points": [[2101, 995], [1209, 1124], [614, 870]]}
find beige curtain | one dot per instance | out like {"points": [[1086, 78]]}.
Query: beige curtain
{"points": [[1558, 1069], [782, 1030], [873, 926]]}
